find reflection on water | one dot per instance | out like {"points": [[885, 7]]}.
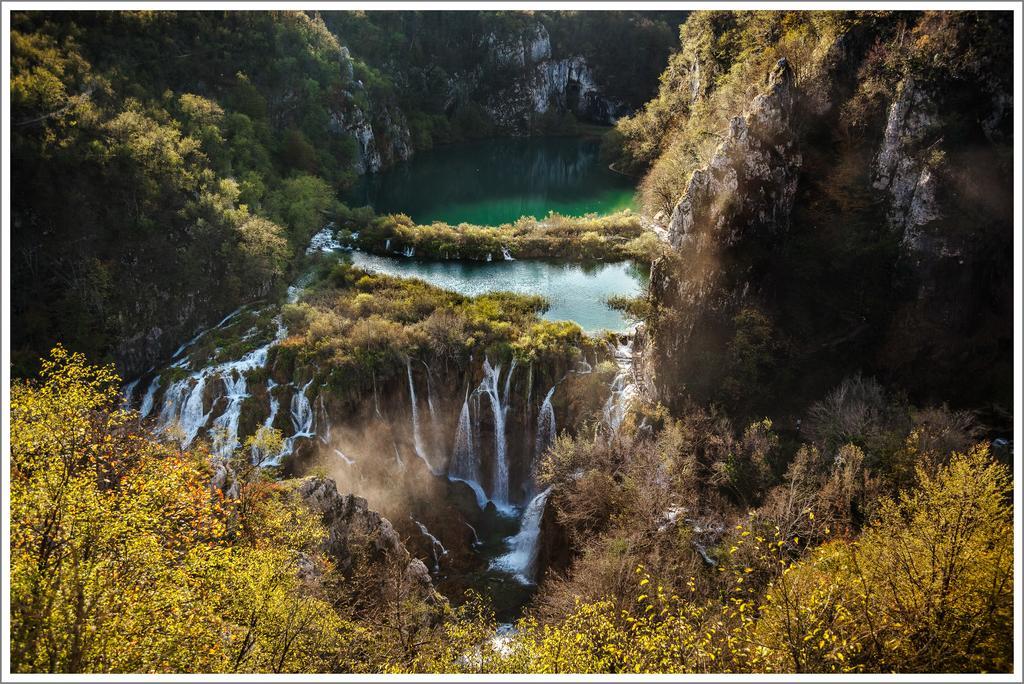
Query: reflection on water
{"points": [[490, 182], [576, 292]]}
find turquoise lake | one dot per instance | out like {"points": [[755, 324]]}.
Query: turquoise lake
{"points": [[496, 181]]}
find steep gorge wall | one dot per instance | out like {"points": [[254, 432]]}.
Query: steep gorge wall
{"points": [[804, 252]]}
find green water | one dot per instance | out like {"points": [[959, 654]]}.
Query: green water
{"points": [[491, 182]]}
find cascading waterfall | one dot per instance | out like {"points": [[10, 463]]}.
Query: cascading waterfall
{"points": [[623, 387], [523, 548], [274, 404], [465, 462], [225, 427], [302, 413], [435, 544], [417, 435], [192, 418], [505, 254], [302, 421], [490, 386], [545, 423], [146, 407]]}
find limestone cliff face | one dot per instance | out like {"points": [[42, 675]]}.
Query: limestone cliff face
{"points": [[745, 193], [882, 251], [349, 522], [537, 83], [379, 129]]}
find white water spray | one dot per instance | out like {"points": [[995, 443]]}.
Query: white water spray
{"points": [[546, 429], [523, 548]]}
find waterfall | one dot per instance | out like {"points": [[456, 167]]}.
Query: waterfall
{"points": [[225, 427], [324, 241], [325, 422], [191, 417], [623, 387], [387, 245], [430, 400], [546, 423], [233, 374], [342, 456], [302, 413], [476, 537], [490, 257], [302, 420], [435, 544], [489, 386], [147, 401], [128, 391], [417, 436], [505, 254], [274, 404], [465, 461], [523, 548], [409, 252], [223, 322]]}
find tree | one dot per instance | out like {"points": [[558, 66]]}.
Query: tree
{"points": [[125, 559], [928, 587]]}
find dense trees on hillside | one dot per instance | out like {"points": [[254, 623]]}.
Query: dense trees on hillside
{"points": [[870, 552], [157, 174], [816, 489]]}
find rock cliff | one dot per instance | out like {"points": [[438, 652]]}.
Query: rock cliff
{"points": [[849, 220], [350, 523]]}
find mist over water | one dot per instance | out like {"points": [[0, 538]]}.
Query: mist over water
{"points": [[490, 182]]}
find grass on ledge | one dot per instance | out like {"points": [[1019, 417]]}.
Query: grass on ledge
{"points": [[613, 237]]}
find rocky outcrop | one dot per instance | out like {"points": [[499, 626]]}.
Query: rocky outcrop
{"points": [[538, 84], [745, 191], [379, 129], [856, 222], [750, 181], [349, 521], [901, 167]]}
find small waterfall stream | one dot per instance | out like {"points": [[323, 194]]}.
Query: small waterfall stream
{"points": [[146, 407], [435, 544], [490, 387], [417, 434], [623, 387], [465, 462], [523, 548], [546, 429]]}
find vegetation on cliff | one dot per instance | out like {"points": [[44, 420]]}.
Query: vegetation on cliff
{"points": [[358, 328], [870, 243]]}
